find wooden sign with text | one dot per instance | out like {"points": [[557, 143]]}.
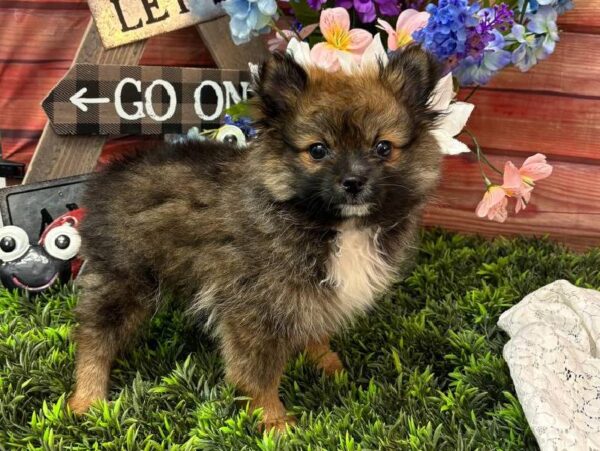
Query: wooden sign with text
{"points": [[123, 21], [142, 100]]}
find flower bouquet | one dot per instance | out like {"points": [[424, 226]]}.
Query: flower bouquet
{"points": [[473, 41]]}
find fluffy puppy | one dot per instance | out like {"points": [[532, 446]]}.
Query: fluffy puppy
{"points": [[279, 244]]}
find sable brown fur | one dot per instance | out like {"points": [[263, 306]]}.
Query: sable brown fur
{"points": [[263, 240]]}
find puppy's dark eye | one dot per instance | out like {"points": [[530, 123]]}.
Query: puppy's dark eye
{"points": [[318, 151], [383, 149]]}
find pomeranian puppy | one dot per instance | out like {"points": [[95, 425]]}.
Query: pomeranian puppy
{"points": [[278, 244]]}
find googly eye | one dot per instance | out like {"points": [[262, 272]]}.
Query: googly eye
{"points": [[14, 242], [62, 242], [232, 135]]}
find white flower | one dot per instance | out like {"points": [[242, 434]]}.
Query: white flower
{"points": [[254, 70], [371, 57], [442, 94], [454, 117], [300, 51], [374, 53]]}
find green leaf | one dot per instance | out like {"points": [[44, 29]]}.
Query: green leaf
{"points": [[240, 109], [304, 13]]}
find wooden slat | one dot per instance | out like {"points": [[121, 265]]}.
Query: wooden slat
{"points": [[573, 69], [34, 40], [65, 5], [524, 122], [225, 53], [62, 156], [35, 51], [566, 205], [573, 232], [584, 18], [91, 50], [182, 47]]}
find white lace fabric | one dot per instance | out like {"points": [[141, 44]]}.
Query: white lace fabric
{"points": [[555, 366]]}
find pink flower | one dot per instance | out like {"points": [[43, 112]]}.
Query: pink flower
{"points": [[535, 168], [279, 43], [408, 22], [514, 186], [519, 183], [342, 46], [493, 205]]}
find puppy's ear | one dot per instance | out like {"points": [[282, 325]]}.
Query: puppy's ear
{"points": [[412, 74], [279, 83]]}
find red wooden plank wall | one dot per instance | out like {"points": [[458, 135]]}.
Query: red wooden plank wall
{"points": [[553, 109]]}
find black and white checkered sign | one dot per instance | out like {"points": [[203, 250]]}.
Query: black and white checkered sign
{"points": [[142, 100]]}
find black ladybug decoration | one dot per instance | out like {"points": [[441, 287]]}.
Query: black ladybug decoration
{"points": [[34, 267]]}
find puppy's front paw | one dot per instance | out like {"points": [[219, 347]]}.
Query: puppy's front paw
{"points": [[80, 404], [330, 363], [277, 423]]}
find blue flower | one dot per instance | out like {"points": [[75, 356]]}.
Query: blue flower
{"points": [[538, 41], [447, 31], [544, 23], [533, 5], [193, 134], [525, 55], [249, 17], [243, 123], [479, 71], [561, 6]]}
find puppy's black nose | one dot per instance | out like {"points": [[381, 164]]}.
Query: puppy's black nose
{"points": [[353, 185]]}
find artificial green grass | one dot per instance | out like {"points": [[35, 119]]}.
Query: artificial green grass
{"points": [[424, 370]]}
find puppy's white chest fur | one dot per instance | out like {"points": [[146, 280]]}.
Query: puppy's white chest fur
{"points": [[357, 269]]}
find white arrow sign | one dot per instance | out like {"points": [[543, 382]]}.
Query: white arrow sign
{"points": [[78, 100], [148, 100]]}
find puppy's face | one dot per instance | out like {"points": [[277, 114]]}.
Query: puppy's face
{"points": [[341, 146]]}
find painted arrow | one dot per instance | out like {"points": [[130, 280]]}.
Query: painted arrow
{"points": [[79, 101], [142, 100]]}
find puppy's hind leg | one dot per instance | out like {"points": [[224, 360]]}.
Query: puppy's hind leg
{"points": [[319, 352], [110, 311]]}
